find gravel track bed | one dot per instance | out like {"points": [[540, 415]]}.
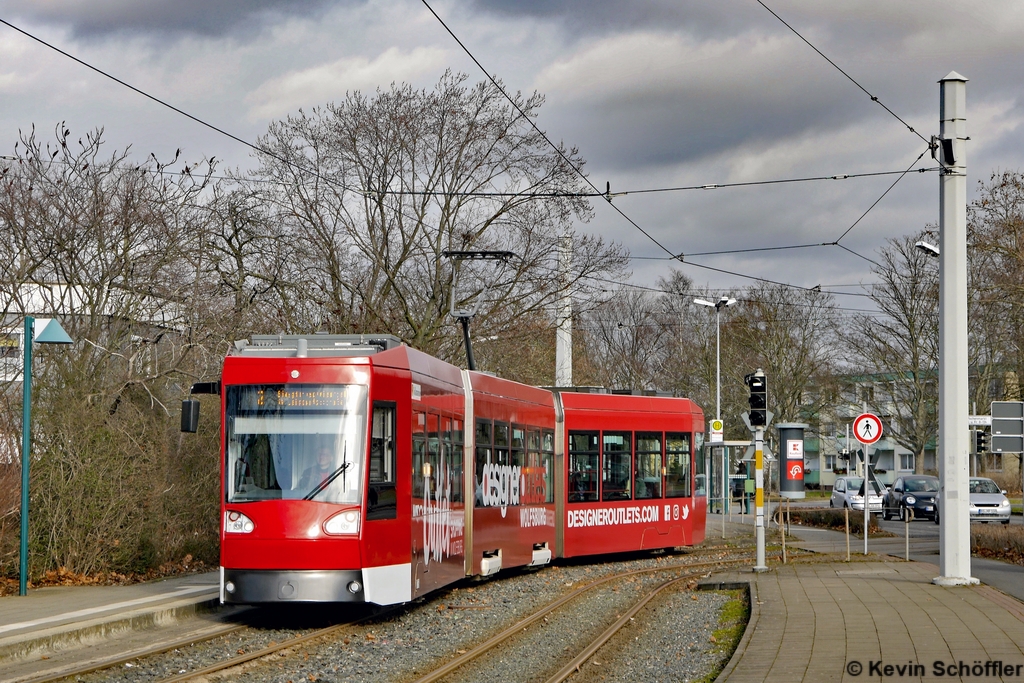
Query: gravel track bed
{"points": [[538, 653], [408, 643], [669, 640]]}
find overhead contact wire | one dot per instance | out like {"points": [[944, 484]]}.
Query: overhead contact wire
{"points": [[848, 76], [557, 149]]}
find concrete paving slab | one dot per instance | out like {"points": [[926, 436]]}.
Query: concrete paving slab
{"points": [[66, 616]]}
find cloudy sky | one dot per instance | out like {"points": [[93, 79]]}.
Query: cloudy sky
{"points": [[655, 94]]}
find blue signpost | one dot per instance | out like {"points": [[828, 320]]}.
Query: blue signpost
{"points": [[50, 332]]}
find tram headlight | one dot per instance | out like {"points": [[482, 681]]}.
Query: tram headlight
{"points": [[354, 587], [237, 523], [346, 522]]}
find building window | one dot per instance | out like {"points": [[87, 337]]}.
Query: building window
{"points": [[830, 461], [907, 461], [993, 462]]}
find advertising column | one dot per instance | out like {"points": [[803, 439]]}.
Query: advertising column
{"points": [[791, 462]]}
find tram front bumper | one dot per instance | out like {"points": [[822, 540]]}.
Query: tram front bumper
{"points": [[256, 586]]}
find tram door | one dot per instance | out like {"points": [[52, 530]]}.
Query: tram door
{"points": [[438, 507]]}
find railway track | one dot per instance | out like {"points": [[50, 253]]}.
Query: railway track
{"points": [[595, 644], [296, 643]]}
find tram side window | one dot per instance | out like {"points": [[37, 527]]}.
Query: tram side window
{"points": [[419, 452], [534, 488], [677, 465], [431, 473], [501, 443], [617, 466], [484, 455], [454, 445], [518, 458], [648, 465], [547, 447], [701, 478], [583, 466], [382, 500]]}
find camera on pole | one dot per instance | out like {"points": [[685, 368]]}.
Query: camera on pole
{"points": [[758, 398]]}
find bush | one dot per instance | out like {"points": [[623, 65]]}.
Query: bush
{"points": [[1008, 483], [998, 541], [829, 518]]}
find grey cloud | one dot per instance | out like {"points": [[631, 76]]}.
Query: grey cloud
{"points": [[100, 18]]}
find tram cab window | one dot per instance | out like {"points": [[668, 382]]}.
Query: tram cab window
{"points": [[616, 466], [295, 441], [381, 497], [648, 465], [677, 465], [583, 466]]}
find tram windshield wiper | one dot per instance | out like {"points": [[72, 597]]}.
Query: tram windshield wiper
{"points": [[329, 480]]}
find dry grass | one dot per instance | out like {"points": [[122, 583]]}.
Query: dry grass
{"points": [[998, 542]]}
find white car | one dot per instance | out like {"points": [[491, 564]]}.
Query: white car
{"points": [[988, 502], [849, 492]]}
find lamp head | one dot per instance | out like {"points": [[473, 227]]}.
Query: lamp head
{"points": [[703, 302], [928, 248]]}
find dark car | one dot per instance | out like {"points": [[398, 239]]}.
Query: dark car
{"points": [[915, 492]]}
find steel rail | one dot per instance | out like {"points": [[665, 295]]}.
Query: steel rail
{"points": [[519, 626], [91, 667], [574, 666], [271, 649], [58, 674]]}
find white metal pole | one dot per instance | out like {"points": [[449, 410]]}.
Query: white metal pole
{"points": [[725, 484], [954, 529], [867, 496], [718, 361], [563, 325], [759, 497]]}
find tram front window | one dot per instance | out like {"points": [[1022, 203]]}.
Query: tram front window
{"points": [[295, 441]]}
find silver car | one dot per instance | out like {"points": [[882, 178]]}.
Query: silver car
{"points": [[849, 492], [988, 503]]}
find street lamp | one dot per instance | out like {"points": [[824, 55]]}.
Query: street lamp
{"points": [[928, 248], [50, 332], [718, 306]]}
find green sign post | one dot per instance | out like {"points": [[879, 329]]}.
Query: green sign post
{"points": [[50, 332]]}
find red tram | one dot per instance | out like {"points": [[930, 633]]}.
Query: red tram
{"points": [[356, 469]]}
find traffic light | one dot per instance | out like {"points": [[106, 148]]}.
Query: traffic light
{"points": [[980, 441], [758, 398]]}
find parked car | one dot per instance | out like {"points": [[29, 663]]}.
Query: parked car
{"points": [[913, 492], [849, 492], [987, 503]]}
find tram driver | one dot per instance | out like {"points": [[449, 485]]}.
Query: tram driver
{"points": [[320, 471]]}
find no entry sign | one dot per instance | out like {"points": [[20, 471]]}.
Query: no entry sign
{"points": [[867, 428]]}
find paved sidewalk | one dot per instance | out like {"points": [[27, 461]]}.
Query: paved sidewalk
{"points": [[839, 621], [62, 617]]}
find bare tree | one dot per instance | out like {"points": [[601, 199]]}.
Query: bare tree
{"points": [[996, 233], [900, 346], [101, 241], [373, 190], [790, 334]]}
